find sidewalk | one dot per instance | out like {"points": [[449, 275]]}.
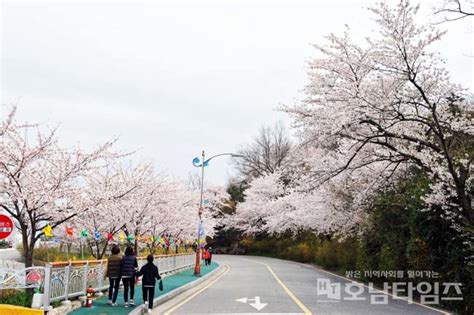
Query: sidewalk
{"points": [[170, 283]]}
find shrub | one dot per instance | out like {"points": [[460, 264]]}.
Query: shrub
{"points": [[301, 252], [16, 297]]}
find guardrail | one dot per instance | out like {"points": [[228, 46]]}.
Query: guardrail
{"points": [[65, 280], [27, 278]]}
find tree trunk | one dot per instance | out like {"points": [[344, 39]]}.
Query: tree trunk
{"points": [[97, 248], [28, 247], [28, 255], [466, 205], [69, 244], [104, 249]]}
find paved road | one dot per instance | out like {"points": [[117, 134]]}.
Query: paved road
{"points": [[285, 287]]}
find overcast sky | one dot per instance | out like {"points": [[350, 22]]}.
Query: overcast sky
{"points": [[171, 78]]}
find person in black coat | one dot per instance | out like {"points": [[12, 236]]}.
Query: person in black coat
{"points": [[150, 274], [128, 269], [113, 272]]}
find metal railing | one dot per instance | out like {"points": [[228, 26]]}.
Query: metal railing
{"points": [[27, 278], [66, 280]]}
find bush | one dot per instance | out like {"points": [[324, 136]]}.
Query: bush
{"points": [[301, 252], [43, 255], [337, 255], [16, 297]]}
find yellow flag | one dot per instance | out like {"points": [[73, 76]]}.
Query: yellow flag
{"points": [[48, 231], [152, 239], [122, 236]]}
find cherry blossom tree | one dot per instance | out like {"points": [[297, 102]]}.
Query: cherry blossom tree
{"points": [[112, 189], [390, 103], [276, 206], [251, 215], [179, 214], [150, 206], [40, 182], [372, 113], [45, 185]]}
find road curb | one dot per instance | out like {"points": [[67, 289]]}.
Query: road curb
{"points": [[168, 296]]}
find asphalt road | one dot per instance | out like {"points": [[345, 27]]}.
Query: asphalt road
{"points": [[259, 285]]}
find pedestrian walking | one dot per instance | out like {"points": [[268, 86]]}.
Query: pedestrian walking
{"points": [[150, 274], [209, 255], [113, 273], [129, 267], [205, 256]]}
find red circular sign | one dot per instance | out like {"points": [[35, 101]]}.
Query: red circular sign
{"points": [[6, 226]]}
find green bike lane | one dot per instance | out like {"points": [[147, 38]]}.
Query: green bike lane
{"points": [[170, 283]]}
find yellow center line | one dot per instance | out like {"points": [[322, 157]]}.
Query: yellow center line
{"points": [[290, 294], [174, 308]]}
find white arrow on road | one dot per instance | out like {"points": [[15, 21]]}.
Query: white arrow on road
{"points": [[256, 302]]}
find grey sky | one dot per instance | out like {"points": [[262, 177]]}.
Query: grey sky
{"points": [[171, 77]]}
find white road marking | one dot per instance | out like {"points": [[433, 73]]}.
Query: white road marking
{"points": [[256, 302]]}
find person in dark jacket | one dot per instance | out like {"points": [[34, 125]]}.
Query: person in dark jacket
{"points": [[209, 256], [150, 274], [129, 267], [113, 272]]}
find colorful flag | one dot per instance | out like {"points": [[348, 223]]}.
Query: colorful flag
{"points": [[48, 231], [97, 235], [84, 234], [69, 231], [122, 237], [130, 237], [110, 237]]}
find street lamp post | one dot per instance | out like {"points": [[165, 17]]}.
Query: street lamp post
{"points": [[202, 163]]}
